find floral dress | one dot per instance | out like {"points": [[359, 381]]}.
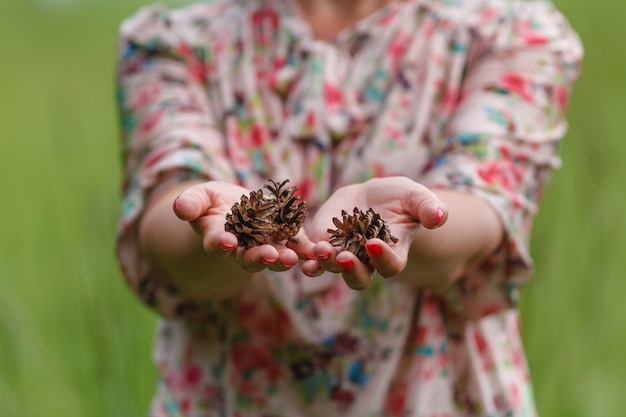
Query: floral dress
{"points": [[458, 94]]}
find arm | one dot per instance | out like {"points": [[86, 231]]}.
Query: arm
{"points": [[203, 261], [441, 235]]}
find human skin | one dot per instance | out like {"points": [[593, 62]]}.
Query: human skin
{"points": [[441, 236]]}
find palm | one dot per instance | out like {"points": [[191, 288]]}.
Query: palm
{"points": [[205, 206], [397, 200], [404, 204]]}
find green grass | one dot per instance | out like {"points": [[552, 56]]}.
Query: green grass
{"points": [[74, 341]]}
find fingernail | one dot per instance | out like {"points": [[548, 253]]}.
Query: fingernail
{"points": [[227, 246], [286, 265], [346, 264], [323, 255], [176, 207], [374, 249], [310, 257], [267, 261], [439, 216]]}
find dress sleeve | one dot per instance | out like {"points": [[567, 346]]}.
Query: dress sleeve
{"points": [[502, 142], [167, 126]]}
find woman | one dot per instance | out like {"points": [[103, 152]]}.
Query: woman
{"points": [[445, 115]]}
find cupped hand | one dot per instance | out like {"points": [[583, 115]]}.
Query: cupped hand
{"points": [[205, 207], [403, 203]]}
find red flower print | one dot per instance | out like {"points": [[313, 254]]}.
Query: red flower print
{"points": [[502, 173], [397, 47], [192, 376], [265, 24], [515, 83], [562, 97], [195, 67], [481, 342], [396, 400], [185, 405], [343, 397], [333, 95], [258, 135]]}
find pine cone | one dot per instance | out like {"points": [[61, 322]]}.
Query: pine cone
{"points": [[354, 231], [290, 211], [251, 220], [257, 220]]}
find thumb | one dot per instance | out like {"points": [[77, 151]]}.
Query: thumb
{"points": [[193, 202], [426, 207]]}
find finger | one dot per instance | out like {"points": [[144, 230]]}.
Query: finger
{"points": [[387, 261], [303, 246], [219, 243], [257, 258], [325, 254], [312, 268], [287, 259], [425, 206], [199, 200], [356, 274]]}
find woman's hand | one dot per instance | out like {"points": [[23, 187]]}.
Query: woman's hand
{"points": [[403, 203], [433, 258], [205, 207], [208, 263]]}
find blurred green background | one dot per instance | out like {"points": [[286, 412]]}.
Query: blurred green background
{"points": [[73, 340]]}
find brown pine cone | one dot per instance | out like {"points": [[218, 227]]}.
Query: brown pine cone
{"points": [[355, 230], [290, 211], [260, 219]]}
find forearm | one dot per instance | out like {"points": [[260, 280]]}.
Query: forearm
{"points": [[172, 244], [438, 257]]}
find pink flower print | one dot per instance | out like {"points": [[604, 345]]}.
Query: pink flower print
{"points": [[514, 396], [529, 34], [333, 96], [398, 46], [195, 67], [149, 122], [304, 188], [155, 157], [451, 99], [515, 83], [488, 14], [504, 174], [143, 96]]}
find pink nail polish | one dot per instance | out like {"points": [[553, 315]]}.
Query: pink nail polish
{"points": [[323, 255], [176, 207], [267, 261], [226, 246], [439, 216], [346, 265], [374, 249]]}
